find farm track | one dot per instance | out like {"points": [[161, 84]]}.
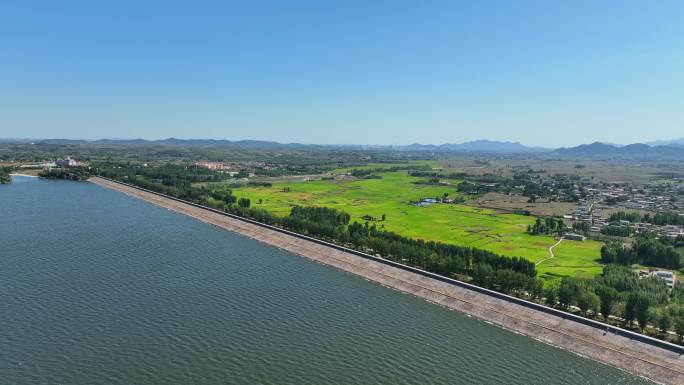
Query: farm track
{"points": [[551, 255]]}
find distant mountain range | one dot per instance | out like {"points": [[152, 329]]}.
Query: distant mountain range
{"points": [[480, 146], [485, 146], [676, 142], [176, 142], [652, 150], [636, 150]]}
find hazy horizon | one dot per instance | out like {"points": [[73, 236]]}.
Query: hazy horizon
{"points": [[550, 75], [654, 142]]}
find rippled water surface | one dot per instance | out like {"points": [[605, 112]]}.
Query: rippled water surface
{"points": [[99, 288]]}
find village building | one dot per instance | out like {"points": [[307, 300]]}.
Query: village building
{"points": [[67, 162], [574, 237], [211, 165], [667, 276]]}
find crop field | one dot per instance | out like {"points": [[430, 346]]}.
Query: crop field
{"points": [[627, 171], [510, 203], [451, 223], [368, 166]]}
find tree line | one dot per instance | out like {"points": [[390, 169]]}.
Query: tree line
{"points": [[547, 226], [619, 291], [646, 249], [71, 173], [660, 219], [5, 177], [507, 274], [617, 231]]}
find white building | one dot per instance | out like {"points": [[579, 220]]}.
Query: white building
{"points": [[67, 162], [665, 275]]}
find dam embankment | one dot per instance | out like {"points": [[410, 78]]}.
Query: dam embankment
{"points": [[653, 359]]}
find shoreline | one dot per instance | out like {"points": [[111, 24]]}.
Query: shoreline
{"points": [[642, 359], [24, 175]]}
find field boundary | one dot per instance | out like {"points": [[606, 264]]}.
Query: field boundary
{"points": [[529, 304]]}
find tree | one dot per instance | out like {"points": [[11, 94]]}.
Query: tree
{"points": [[560, 228], [607, 296], [483, 275], [630, 308], [538, 289], [551, 294], [641, 309], [679, 326], [244, 202], [4, 175], [567, 293], [581, 227], [678, 291], [588, 301], [664, 322]]}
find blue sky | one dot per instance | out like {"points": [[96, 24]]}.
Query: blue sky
{"points": [[383, 72]]}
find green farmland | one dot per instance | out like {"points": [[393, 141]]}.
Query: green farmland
{"points": [[450, 223]]}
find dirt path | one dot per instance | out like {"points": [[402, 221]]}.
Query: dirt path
{"points": [[551, 256]]}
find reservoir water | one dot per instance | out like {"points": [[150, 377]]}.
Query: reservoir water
{"points": [[100, 288]]}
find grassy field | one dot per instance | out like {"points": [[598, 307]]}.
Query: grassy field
{"points": [[412, 164], [573, 258], [451, 223]]}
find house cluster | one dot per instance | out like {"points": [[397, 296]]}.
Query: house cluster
{"points": [[667, 276], [670, 231], [591, 213], [68, 162], [595, 221], [259, 164], [220, 167], [62, 162], [216, 166], [655, 197]]}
